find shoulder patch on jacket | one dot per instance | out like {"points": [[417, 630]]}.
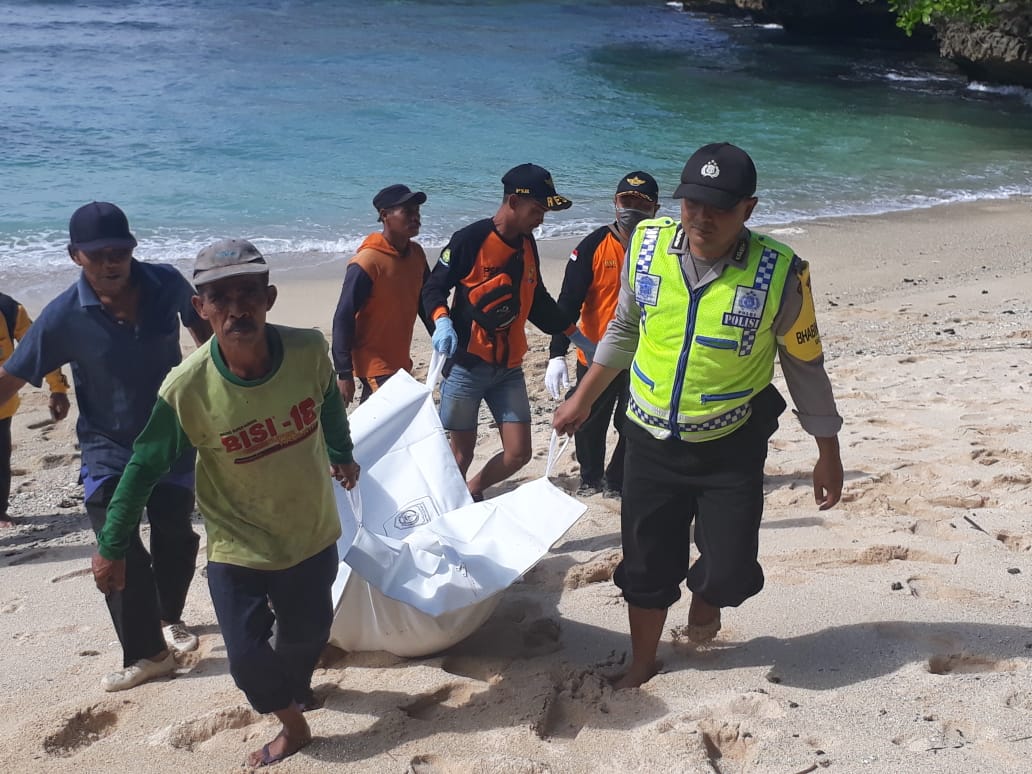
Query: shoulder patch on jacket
{"points": [[803, 339]]}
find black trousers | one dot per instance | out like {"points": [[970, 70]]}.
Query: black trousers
{"points": [[299, 601], [716, 484], [590, 440], [156, 583], [5, 465]]}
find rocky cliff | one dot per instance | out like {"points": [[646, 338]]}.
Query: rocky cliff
{"points": [[1000, 53]]}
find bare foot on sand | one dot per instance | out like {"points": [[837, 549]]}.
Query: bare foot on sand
{"points": [[635, 676], [286, 743], [703, 620], [8, 522]]}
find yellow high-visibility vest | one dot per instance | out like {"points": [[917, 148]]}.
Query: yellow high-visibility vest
{"points": [[703, 353]]}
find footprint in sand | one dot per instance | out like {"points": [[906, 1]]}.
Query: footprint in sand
{"points": [[1015, 542], [966, 502], [924, 587], [943, 735], [437, 764], [11, 604], [194, 660], [878, 554], [859, 488], [967, 663], [486, 670], [428, 764], [46, 635], [189, 733], [1019, 700], [986, 456], [595, 570], [1020, 479], [430, 706], [682, 738], [517, 631], [936, 528], [541, 636], [526, 632], [575, 700], [726, 741], [84, 727], [48, 461]]}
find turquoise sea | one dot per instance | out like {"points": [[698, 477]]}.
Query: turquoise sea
{"points": [[278, 120]]}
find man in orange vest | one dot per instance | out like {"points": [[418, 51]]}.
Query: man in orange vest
{"points": [[591, 287], [380, 298]]}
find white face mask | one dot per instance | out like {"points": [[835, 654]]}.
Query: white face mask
{"points": [[627, 218]]}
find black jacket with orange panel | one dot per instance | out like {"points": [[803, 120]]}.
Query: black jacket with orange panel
{"points": [[475, 256], [591, 287]]}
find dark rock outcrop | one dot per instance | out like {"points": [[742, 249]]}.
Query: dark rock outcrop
{"points": [[821, 19], [1000, 52]]}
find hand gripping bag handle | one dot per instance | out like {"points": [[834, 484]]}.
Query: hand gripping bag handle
{"points": [[354, 496]]}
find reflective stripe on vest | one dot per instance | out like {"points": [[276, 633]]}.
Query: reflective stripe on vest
{"points": [[702, 353]]}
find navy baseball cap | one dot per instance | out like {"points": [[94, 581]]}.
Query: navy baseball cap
{"points": [[99, 225], [535, 182], [397, 195], [719, 174]]}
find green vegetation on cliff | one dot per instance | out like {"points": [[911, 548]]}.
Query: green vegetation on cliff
{"points": [[910, 13]]}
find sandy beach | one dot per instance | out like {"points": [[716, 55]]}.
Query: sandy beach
{"points": [[892, 636]]}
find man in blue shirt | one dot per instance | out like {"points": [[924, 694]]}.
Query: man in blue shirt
{"points": [[118, 329]]}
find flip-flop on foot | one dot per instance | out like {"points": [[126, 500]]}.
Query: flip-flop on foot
{"points": [[269, 758]]}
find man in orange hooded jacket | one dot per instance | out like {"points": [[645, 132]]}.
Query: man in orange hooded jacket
{"points": [[380, 298]]}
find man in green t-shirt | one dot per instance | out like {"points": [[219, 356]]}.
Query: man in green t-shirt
{"points": [[260, 404]]}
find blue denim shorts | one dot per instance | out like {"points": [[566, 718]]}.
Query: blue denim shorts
{"points": [[504, 389]]}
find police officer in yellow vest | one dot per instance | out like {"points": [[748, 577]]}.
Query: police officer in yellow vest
{"points": [[705, 306]]}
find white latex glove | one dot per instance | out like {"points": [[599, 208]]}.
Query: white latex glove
{"points": [[557, 381]]}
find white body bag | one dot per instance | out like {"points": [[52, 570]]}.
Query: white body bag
{"points": [[422, 564]]}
